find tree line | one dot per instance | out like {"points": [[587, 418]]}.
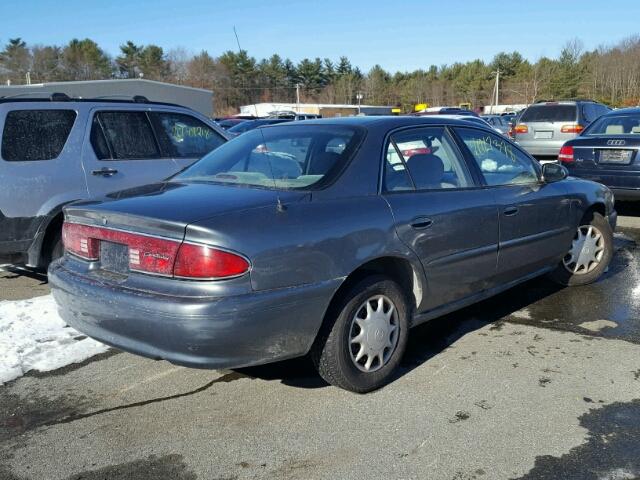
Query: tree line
{"points": [[610, 74]]}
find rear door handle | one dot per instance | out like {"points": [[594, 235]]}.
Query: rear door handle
{"points": [[510, 211], [420, 223], [105, 172]]}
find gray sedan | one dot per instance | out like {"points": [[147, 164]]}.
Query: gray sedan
{"points": [[327, 237]]}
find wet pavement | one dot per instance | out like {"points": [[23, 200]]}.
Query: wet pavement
{"points": [[539, 382]]}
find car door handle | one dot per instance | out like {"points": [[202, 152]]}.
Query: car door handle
{"points": [[105, 172], [421, 223], [510, 211]]}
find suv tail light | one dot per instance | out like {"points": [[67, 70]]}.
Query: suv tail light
{"points": [[521, 129], [566, 154], [155, 255], [571, 128]]}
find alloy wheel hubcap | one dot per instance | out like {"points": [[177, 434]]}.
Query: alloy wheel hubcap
{"points": [[586, 251], [373, 335]]}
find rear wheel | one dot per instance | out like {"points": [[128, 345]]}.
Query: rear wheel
{"points": [[590, 253], [361, 346]]}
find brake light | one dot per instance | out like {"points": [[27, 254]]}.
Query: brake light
{"points": [[521, 129], [77, 239], [566, 154], [155, 255], [200, 261], [571, 128]]}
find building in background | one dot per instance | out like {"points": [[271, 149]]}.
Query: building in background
{"points": [[198, 99], [323, 109]]}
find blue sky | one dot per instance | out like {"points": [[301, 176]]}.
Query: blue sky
{"points": [[399, 35]]}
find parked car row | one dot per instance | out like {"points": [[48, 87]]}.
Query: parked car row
{"points": [[328, 237]]}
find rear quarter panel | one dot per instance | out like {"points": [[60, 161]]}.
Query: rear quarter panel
{"points": [[311, 241]]}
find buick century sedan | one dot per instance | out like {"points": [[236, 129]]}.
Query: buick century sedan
{"points": [[328, 237]]}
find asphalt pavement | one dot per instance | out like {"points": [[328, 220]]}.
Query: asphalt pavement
{"points": [[537, 383]]}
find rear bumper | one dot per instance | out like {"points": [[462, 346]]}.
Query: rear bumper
{"points": [[212, 332], [541, 148]]}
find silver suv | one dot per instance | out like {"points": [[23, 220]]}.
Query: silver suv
{"points": [[545, 126], [57, 150]]}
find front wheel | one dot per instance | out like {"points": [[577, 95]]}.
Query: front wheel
{"points": [[590, 253], [361, 345]]}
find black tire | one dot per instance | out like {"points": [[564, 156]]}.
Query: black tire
{"points": [[563, 276], [331, 352], [55, 249]]}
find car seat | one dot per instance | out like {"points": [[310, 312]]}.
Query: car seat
{"points": [[427, 171]]}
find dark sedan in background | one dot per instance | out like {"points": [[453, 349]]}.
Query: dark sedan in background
{"points": [[330, 237], [607, 152]]}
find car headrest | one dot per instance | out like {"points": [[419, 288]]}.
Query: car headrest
{"points": [[614, 130], [323, 162], [426, 169]]}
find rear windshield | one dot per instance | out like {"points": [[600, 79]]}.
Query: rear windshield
{"points": [[615, 125], [287, 157], [550, 113]]}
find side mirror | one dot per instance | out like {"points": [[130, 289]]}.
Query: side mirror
{"points": [[553, 172]]}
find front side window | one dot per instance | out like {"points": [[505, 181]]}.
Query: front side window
{"points": [[126, 136], [500, 162], [283, 157], [183, 136], [31, 135], [424, 158], [615, 125]]}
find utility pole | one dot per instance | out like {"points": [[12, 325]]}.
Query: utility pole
{"points": [[359, 97], [496, 90], [298, 97]]}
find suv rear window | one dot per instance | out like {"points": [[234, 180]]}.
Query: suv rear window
{"points": [[31, 135], [550, 113]]}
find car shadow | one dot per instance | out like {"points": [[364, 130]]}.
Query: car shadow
{"points": [[17, 272], [426, 340], [629, 209]]}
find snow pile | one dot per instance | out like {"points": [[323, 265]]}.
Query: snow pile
{"points": [[34, 337]]}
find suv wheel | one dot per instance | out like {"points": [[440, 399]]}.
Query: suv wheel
{"points": [[590, 253], [363, 345]]}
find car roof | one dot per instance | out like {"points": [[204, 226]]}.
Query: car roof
{"points": [[625, 111], [57, 98], [390, 121]]}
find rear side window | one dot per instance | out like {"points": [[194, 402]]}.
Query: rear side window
{"points": [[550, 113], [424, 158], [183, 136], [127, 136], [31, 135]]}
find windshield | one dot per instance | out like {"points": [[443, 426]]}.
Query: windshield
{"points": [[615, 125], [283, 157], [550, 113]]}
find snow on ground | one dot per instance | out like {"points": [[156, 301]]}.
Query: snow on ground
{"points": [[34, 337]]}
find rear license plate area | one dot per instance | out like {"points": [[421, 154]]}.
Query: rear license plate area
{"points": [[114, 257], [620, 157], [543, 134]]}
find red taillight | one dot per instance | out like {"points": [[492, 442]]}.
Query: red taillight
{"points": [[521, 129], [200, 261], [566, 154], [158, 256], [571, 128], [78, 240]]}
